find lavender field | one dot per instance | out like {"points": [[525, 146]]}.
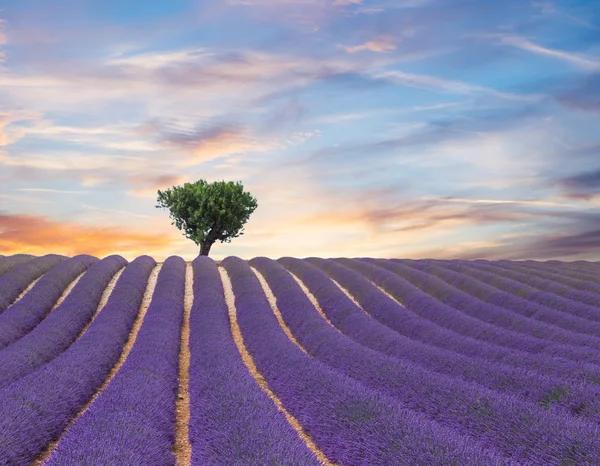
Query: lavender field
{"points": [[298, 361]]}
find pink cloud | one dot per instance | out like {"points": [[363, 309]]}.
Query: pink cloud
{"points": [[381, 45]]}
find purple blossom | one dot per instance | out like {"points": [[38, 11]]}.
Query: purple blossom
{"points": [[349, 422], [57, 331], [26, 313], [136, 411], [233, 421], [493, 418], [8, 262], [36, 408], [17, 278]]}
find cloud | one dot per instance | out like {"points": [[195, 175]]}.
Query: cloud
{"points": [[582, 186], [287, 115], [581, 93], [3, 39], [346, 2], [11, 134], [481, 128], [380, 45], [147, 185], [52, 191], [213, 142], [372, 210], [547, 8], [432, 83], [581, 61], [505, 201], [39, 234], [565, 235]]}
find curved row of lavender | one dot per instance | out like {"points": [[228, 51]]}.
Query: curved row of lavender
{"points": [[576, 278], [135, 413], [22, 316], [474, 317], [62, 326], [556, 283], [8, 262], [350, 422], [518, 297], [385, 385], [493, 418], [415, 322], [374, 329], [556, 293], [15, 280], [465, 295], [37, 408], [232, 420]]}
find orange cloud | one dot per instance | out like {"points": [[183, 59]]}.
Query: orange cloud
{"points": [[215, 143], [147, 185], [381, 45], [40, 235]]}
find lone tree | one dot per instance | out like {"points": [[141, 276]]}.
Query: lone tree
{"points": [[207, 212]]}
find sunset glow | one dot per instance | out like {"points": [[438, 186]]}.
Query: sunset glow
{"points": [[364, 128]]}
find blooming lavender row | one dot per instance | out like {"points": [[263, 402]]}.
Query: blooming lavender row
{"points": [[545, 292], [560, 284], [8, 262], [412, 323], [493, 418], [136, 410], [232, 420], [518, 297], [474, 317], [37, 408], [349, 422], [589, 269], [14, 282], [580, 399], [521, 311], [21, 317], [570, 275], [57, 331]]}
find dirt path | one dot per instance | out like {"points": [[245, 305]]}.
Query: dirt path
{"points": [[103, 300], [126, 350], [182, 448], [273, 302], [260, 380], [312, 299], [25, 291], [68, 289]]}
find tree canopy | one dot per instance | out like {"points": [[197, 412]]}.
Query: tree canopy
{"points": [[208, 212]]}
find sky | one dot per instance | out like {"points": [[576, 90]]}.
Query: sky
{"points": [[454, 129]]}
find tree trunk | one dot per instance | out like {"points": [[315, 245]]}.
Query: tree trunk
{"points": [[205, 248]]}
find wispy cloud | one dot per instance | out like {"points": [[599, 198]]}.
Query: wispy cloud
{"points": [[205, 144], [505, 201], [550, 9], [380, 45], [114, 211], [443, 85], [583, 185], [52, 191], [581, 61], [346, 2], [3, 39]]}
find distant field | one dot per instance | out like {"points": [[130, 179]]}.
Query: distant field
{"points": [[298, 362]]}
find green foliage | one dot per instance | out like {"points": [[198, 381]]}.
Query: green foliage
{"points": [[208, 212], [555, 395]]}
